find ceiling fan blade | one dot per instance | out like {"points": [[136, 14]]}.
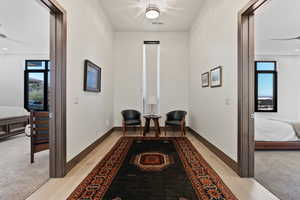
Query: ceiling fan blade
{"points": [[3, 36], [285, 39], [174, 9], [139, 14], [14, 40]]}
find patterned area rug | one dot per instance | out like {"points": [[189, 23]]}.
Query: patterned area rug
{"points": [[144, 168]]}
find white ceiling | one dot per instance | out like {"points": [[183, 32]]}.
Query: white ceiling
{"points": [[128, 15], [27, 22], [278, 19]]}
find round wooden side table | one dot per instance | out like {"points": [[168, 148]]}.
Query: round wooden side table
{"points": [[155, 119]]}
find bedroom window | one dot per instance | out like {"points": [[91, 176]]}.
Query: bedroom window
{"points": [[36, 82], [265, 86]]}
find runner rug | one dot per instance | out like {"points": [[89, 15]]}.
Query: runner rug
{"points": [[143, 168]]}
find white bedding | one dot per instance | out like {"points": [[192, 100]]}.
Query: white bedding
{"points": [[274, 130], [9, 111]]}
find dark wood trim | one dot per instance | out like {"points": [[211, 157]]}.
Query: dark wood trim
{"points": [[264, 145], [251, 7], [54, 6], [72, 163], [151, 42], [58, 58], [226, 159], [246, 88], [11, 120], [245, 135], [12, 126]]}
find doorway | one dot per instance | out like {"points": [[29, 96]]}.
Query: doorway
{"points": [[36, 82], [269, 62], [33, 154], [246, 91], [58, 40]]}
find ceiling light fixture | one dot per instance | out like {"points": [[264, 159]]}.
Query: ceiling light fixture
{"points": [[152, 12]]}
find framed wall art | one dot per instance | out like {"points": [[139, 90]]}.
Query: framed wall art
{"points": [[205, 79], [92, 77], [216, 77]]}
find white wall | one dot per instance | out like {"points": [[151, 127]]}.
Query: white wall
{"points": [[90, 36], [213, 42], [12, 68], [288, 68], [128, 71]]}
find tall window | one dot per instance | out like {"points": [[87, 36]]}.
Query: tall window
{"points": [[266, 86], [37, 78], [151, 77]]}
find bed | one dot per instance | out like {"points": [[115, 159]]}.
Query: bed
{"points": [[13, 121], [276, 134]]}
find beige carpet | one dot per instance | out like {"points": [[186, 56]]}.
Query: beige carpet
{"points": [[279, 172], [19, 178]]}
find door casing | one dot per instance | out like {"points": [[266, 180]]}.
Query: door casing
{"points": [[58, 54], [246, 88]]}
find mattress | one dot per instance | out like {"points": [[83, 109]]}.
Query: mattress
{"points": [[11, 112], [274, 130]]}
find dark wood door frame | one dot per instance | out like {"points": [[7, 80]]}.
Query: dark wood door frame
{"points": [[58, 46], [246, 78]]}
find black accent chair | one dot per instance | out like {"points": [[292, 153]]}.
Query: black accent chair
{"points": [[176, 119], [131, 118]]}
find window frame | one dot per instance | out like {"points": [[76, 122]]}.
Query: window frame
{"points": [[46, 83], [275, 85]]}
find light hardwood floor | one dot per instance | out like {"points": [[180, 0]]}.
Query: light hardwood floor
{"points": [[59, 189]]}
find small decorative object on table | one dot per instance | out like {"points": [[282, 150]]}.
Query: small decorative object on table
{"points": [[152, 102]]}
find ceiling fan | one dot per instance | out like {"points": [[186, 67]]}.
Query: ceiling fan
{"points": [[286, 39], [152, 9]]}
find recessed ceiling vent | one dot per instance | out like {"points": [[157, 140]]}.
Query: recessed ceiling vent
{"points": [[157, 23]]}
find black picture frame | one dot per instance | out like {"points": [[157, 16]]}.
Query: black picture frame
{"points": [[89, 68], [205, 80], [216, 73]]}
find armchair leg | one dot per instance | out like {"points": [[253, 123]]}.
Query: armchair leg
{"points": [[31, 157], [182, 130], [141, 130], [165, 130], [31, 149], [124, 129]]}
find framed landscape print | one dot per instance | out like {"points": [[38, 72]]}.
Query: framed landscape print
{"points": [[205, 80], [92, 77], [216, 77]]}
